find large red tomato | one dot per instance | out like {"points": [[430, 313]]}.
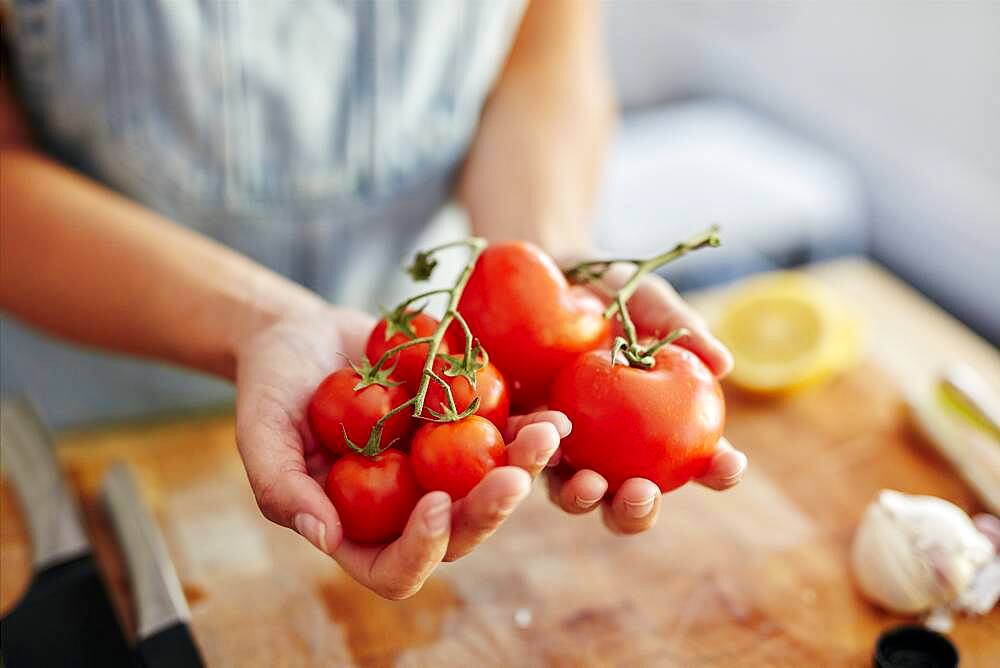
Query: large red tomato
{"points": [[454, 456], [661, 424], [373, 496], [410, 364], [529, 319], [336, 406], [494, 403]]}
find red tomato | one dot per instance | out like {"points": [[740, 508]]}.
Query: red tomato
{"points": [[661, 424], [373, 496], [454, 456], [410, 363], [529, 319], [494, 403], [336, 406]]}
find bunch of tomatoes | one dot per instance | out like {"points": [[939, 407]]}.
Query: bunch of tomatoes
{"points": [[427, 407]]}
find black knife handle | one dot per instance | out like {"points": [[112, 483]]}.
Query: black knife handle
{"points": [[57, 535]]}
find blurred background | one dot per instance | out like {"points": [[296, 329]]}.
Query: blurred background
{"points": [[810, 130]]}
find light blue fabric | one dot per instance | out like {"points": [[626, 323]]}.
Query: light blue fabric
{"points": [[317, 136]]}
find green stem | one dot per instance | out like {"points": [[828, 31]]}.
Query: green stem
{"points": [[447, 391], [424, 295], [396, 349], [627, 324], [468, 336], [593, 270], [667, 340], [476, 246], [374, 445], [709, 237]]}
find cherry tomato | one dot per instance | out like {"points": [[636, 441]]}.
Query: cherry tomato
{"points": [[661, 424], [373, 496], [494, 403], [454, 456], [532, 322], [410, 362], [336, 407]]}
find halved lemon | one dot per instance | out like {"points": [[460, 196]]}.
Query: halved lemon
{"points": [[786, 332]]}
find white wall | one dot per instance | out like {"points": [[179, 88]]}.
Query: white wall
{"points": [[909, 91]]}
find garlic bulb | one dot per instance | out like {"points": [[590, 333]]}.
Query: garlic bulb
{"points": [[914, 553]]}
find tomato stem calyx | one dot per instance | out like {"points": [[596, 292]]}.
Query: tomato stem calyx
{"points": [[370, 375], [397, 321], [373, 446]]}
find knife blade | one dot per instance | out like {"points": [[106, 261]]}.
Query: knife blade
{"points": [[163, 633], [65, 617]]}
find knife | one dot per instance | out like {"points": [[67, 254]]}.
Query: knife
{"points": [[64, 618], [163, 633]]}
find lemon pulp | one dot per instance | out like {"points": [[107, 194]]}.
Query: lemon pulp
{"points": [[786, 332]]}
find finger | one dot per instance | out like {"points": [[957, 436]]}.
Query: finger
{"points": [[555, 418], [534, 446], [398, 570], [581, 492], [727, 467], [285, 492], [483, 510], [634, 508]]}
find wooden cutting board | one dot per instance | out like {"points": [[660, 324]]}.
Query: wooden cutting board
{"points": [[755, 576]]}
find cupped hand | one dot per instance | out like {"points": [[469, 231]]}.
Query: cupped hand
{"points": [[278, 368], [656, 309]]}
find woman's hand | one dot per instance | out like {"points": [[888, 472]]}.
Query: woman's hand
{"points": [[656, 309], [278, 368]]}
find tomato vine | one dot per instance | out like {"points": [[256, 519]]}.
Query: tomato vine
{"points": [[628, 346], [472, 359]]}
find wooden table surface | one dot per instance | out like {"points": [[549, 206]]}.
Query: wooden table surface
{"points": [[755, 576]]}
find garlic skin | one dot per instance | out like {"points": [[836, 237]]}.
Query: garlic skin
{"points": [[914, 553]]}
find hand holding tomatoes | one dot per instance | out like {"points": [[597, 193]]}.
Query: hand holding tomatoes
{"points": [[280, 366], [653, 310], [278, 369]]}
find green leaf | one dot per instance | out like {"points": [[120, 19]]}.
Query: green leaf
{"points": [[422, 267]]}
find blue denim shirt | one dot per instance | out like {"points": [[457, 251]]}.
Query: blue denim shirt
{"points": [[318, 137]]}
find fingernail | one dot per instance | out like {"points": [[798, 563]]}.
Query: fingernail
{"points": [[564, 427], [586, 503], [726, 357], [312, 530], [639, 509], [735, 469], [544, 456], [437, 518]]}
